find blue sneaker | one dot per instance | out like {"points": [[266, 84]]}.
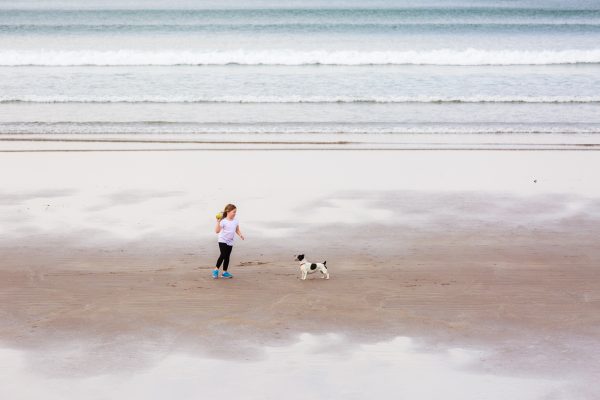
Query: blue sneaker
{"points": [[226, 275], [215, 273]]}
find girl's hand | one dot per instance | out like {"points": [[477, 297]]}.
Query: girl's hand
{"points": [[242, 236]]}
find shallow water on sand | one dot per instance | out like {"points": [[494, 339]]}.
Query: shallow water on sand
{"points": [[315, 366]]}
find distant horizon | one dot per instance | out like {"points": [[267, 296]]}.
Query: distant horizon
{"points": [[291, 4]]}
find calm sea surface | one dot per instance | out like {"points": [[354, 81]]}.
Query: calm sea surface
{"points": [[472, 67]]}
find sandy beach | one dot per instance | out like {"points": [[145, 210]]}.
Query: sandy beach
{"points": [[107, 257]]}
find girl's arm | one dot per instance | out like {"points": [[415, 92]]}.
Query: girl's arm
{"points": [[218, 227], [237, 230]]}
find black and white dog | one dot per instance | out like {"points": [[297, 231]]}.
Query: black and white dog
{"points": [[308, 267]]}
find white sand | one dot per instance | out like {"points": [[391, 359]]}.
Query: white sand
{"points": [[132, 195]]}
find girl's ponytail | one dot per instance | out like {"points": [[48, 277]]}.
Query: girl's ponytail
{"points": [[228, 208]]}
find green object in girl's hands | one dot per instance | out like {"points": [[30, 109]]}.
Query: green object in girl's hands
{"points": [[220, 216]]}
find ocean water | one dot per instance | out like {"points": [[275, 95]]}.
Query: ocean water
{"points": [[300, 68]]}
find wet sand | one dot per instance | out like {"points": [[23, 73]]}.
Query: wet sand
{"points": [[509, 269]]}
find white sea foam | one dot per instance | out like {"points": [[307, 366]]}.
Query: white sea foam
{"points": [[294, 57], [298, 99]]}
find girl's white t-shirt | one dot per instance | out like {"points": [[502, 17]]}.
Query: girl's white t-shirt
{"points": [[228, 228]]}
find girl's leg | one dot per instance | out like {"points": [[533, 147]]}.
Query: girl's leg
{"points": [[222, 256], [226, 256]]}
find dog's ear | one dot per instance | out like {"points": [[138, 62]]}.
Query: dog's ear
{"points": [[300, 257]]}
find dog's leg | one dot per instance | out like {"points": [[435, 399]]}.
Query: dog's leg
{"points": [[303, 275]]}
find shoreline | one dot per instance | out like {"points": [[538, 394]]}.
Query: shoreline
{"points": [[144, 142]]}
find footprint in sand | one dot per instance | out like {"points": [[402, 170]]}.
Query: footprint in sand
{"points": [[248, 263]]}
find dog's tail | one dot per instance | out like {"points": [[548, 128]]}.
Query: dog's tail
{"points": [[325, 264]]}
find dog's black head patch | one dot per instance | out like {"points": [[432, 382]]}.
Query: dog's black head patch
{"points": [[300, 257], [313, 266]]}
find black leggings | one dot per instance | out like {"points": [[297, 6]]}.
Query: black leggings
{"points": [[224, 257]]}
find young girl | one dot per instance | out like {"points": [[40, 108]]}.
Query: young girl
{"points": [[226, 227]]}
